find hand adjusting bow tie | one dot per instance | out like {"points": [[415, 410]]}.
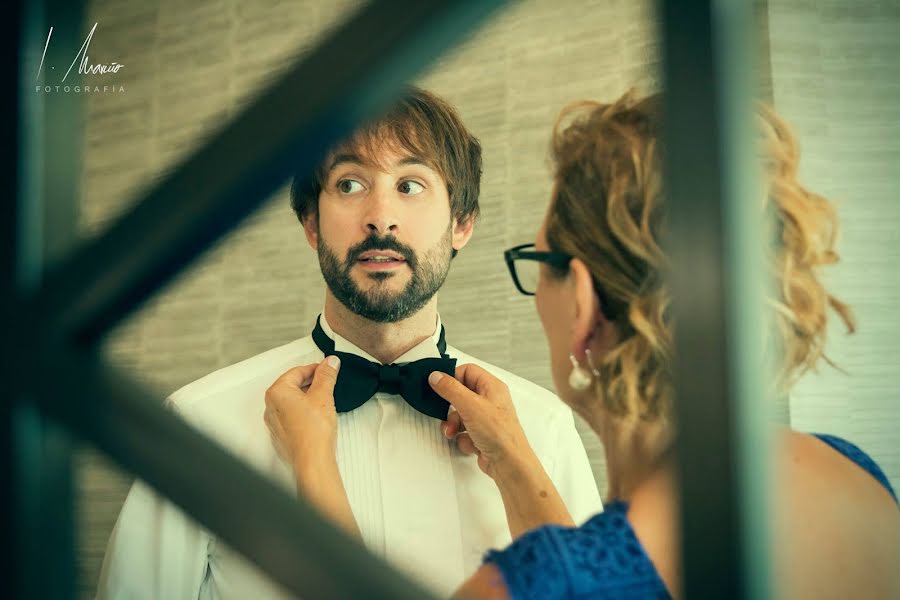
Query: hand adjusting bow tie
{"points": [[359, 379]]}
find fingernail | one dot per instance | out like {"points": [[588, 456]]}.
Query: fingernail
{"points": [[435, 377], [334, 362]]}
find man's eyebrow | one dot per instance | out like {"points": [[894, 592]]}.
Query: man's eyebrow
{"points": [[355, 159], [346, 157], [414, 160]]}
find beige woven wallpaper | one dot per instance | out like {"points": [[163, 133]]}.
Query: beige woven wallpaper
{"points": [[192, 65], [836, 79]]}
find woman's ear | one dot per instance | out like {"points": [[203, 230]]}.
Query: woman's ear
{"points": [[311, 229], [588, 316]]}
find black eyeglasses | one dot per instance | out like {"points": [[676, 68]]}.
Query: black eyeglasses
{"points": [[524, 268], [523, 262]]}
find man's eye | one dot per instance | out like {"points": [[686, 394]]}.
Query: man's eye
{"points": [[411, 188], [349, 186]]}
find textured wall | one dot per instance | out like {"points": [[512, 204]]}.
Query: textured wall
{"points": [[836, 79], [191, 65]]}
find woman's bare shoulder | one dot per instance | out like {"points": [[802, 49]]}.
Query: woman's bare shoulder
{"points": [[809, 467], [831, 511], [828, 511]]}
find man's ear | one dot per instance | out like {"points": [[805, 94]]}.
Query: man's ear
{"points": [[462, 231], [311, 229], [588, 316]]}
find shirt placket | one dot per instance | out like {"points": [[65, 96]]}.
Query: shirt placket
{"points": [[421, 512]]}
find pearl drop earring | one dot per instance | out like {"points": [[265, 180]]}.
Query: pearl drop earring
{"points": [[579, 378]]}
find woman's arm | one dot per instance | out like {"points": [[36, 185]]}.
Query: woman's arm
{"points": [[529, 496], [484, 422], [321, 484], [302, 420], [486, 584]]}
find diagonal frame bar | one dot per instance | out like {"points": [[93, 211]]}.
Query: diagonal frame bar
{"points": [[88, 293], [282, 534], [355, 73]]}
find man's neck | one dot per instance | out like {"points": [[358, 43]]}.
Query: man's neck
{"points": [[384, 341]]}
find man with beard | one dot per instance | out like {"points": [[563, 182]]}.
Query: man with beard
{"points": [[386, 211]]}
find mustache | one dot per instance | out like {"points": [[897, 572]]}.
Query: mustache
{"points": [[388, 242]]}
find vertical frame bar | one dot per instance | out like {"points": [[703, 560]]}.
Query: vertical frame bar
{"points": [[716, 248], [747, 286], [47, 201], [11, 43]]}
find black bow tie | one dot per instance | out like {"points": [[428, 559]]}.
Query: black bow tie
{"points": [[359, 379]]}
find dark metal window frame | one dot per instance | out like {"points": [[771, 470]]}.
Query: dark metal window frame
{"points": [[51, 358]]}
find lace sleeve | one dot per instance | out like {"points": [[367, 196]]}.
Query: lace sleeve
{"points": [[601, 559], [532, 566]]}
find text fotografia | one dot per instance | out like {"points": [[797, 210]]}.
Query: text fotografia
{"points": [[84, 68], [79, 89]]}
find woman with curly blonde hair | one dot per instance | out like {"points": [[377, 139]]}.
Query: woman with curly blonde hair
{"points": [[596, 271]]}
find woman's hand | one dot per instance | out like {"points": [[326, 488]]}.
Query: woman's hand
{"points": [[482, 418], [302, 420], [301, 416], [484, 422]]}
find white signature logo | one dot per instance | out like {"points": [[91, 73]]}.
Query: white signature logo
{"points": [[84, 67]]}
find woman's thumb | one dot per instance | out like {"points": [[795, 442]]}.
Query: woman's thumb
{"points": [[451, 390]]}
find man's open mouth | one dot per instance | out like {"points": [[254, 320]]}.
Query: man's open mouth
{"points": [[376, 257], [381, 260]]}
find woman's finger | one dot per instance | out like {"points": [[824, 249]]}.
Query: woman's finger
{"points": [[477, 379], [461, 426], [279, 447], [465, 444], [454, 392], [269, 417], [276, 433], [273, 422], [271, 425], [297, 375], [325, 376], [453, 424]]}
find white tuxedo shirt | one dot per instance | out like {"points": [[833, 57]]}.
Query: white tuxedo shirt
{"points": [[420, 503]]}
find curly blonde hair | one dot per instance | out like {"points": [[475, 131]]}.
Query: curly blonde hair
{"points": [[608, 210]]}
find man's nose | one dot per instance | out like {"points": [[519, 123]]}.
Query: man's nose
{"points": [[381, 215]]}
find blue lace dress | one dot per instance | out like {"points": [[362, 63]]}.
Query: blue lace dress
{"points": [[603, 558]]}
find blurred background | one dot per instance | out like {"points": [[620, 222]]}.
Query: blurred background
{"points": [[828, 66]]}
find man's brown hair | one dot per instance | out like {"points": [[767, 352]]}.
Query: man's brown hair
{"points": [[423, 125]]}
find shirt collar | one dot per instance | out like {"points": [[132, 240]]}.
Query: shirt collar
{"points": [[426, 349]]}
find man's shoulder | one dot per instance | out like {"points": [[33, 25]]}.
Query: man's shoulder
{"points": [[261, 369], [526, 394]]}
